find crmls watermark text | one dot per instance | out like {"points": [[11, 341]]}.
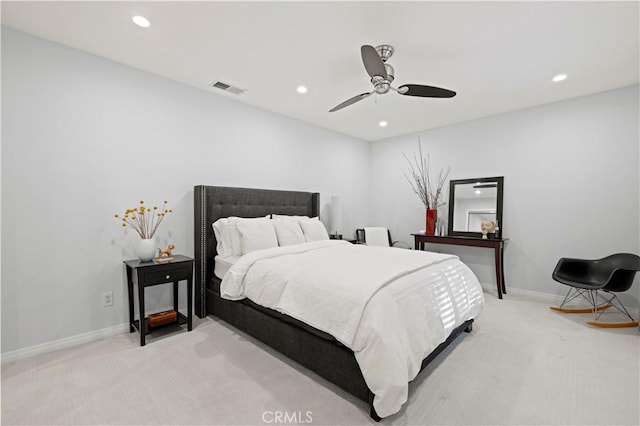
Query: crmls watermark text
{"points": [[286, 417]]}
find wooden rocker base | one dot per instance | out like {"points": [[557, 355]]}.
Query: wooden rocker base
{"points": [[580, 310], [613, 324]]}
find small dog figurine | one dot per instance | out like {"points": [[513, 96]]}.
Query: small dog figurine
{"points": [[165, 253]]}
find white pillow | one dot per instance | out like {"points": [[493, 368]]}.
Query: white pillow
{"points": [[287, 217], [234, 235], [223, 238], [288, 232], [314, 230], [224, 229], [256, 234]]}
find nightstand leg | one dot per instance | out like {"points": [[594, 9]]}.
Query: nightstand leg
{"points": [[189, 303], [130, 292], [175, 296], [143, 322]]}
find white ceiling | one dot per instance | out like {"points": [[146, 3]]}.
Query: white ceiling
{"points": [[498, 56]]}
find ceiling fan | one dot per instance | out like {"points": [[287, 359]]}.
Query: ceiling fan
{"points": [[382, 74]]}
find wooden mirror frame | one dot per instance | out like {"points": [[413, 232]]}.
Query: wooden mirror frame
{"points": [[452, 197]]}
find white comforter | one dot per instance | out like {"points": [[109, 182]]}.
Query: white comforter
{"points": [[392, 307]]}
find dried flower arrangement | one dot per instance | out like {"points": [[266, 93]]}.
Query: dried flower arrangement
{"points": [[144, 220], [419, 178]]}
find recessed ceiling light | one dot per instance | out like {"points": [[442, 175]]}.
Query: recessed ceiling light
{"points": [[383, 123], [302, 89], [478, 192], [559, 77], [141, 21]]}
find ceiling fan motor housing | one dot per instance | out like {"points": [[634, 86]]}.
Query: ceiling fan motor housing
{"points": [[381, 84], [385, 51]]}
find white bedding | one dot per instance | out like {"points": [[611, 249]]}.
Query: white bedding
{"points": [[392, 307], [222, 265]]}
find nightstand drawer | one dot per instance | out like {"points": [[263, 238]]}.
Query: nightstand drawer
{"points": [[168, 276]]}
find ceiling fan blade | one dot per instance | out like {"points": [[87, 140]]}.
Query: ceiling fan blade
{"points": [[372, 61], [350, 101], [425, 91]]}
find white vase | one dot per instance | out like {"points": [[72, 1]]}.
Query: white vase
{"points": [[146, 249]]}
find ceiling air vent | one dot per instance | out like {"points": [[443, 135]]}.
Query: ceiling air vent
{"points": [[227, 87]]}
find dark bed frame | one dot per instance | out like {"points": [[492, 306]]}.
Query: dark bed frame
{"points": [[309, 347]]}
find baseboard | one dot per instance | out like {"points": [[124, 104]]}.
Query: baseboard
{"points": [[547, 297], [552, 299], [65, 343]]}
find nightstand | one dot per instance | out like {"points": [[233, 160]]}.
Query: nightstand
{"points": [[149, 273]]}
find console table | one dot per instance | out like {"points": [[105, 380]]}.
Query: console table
{"points": [[497, 244]]}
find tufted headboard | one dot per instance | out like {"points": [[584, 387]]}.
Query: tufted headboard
{"points": [[214, 202]]}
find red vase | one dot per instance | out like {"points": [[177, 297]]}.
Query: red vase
{"points": [[431, 221]]}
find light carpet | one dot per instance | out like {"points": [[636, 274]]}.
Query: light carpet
{"points": [[522, 365]]}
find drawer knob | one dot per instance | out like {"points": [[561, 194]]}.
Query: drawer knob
{"points": [[167, 277]]}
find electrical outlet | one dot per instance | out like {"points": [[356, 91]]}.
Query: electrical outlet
{"points": [[107, 298]]}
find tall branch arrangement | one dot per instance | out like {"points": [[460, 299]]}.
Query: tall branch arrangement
{"points": [[144, 220], [419, 178]]}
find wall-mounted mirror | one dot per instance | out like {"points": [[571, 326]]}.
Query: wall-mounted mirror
{"points": [[473, 201]]}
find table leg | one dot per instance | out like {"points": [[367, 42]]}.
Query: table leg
{"points": [[130, 293], [416, 244], [504, 285], [498, 260], [189, 304], [143, 322]]}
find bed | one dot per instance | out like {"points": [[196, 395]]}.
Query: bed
{"points": [[313, 348]]}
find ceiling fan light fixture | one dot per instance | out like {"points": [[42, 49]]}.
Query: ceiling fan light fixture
{"points": [[559, 77], [141, 21], [382, 87]]}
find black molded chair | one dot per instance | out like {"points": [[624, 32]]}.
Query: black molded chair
{"points": [[589, 278]]}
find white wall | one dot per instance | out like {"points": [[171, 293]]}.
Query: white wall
{"points": [[84, 138], [571, 184]]}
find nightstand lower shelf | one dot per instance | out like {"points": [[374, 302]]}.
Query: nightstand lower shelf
{"points": [[182, 320]]}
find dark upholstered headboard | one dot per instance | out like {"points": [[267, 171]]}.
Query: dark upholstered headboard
{"points": [[214, 202]]}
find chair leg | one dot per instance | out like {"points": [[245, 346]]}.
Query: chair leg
{"points": [[593, 297], [597, 307], [575, 292], [621, 308], [630, 324], [616, 303]]}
